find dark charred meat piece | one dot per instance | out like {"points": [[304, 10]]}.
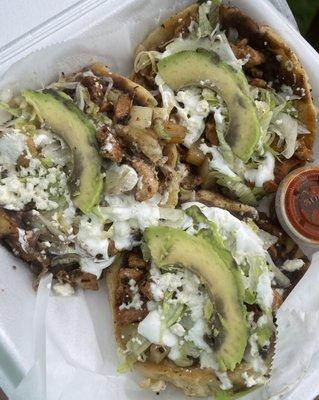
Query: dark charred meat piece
{"points": [[96, 88], [243, 51], [110, 146], [136, 261], [78, 278], [129, 316], [123, 108], [124, 294], [257, 82]]}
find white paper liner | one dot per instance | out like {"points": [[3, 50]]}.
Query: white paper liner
{"points": [[75, 350]]}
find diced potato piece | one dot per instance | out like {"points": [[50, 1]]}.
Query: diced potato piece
{"points": [[176, 132], [195, 156], [141, 117], [170, 151], [123, 108]]}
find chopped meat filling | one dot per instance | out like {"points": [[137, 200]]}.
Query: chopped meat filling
{"points": [[133, 275], [110, 146]]}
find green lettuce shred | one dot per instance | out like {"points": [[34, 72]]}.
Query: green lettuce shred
{"points": [[208, 18], [135, 347], [235, 185], [171, 311]]}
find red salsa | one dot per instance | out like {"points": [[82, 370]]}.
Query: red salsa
{"points": [[301, 203]]}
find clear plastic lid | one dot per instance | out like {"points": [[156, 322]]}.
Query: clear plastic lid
{"points": [[29, 26]]}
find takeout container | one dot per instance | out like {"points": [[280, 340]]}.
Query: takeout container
{"points": [[64, 347]]}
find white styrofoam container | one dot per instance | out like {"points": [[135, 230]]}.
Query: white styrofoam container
{"points": [[17, 298]]}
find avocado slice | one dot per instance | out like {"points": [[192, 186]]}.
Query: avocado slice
{"points": [[75, 128], [201, 68], [170, 246]]}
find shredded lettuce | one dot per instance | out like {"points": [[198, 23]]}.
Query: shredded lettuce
{"points": [[209, 310], [145, 59], [278, 117], [172, 311], [264, 333], [204, 26], [208, 19], [135, 348], [288, 132], [236, 186]]}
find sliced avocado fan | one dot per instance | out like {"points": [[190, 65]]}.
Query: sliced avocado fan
{"points": [[201, 68], [70, 123], [170, 246]]}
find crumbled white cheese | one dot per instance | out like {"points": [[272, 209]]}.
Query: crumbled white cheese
{"points": [[174, 353], [22, 240], [136, 301], [177, 329], [264, 291], [190, 295], [293, 265], [63, 289], [150, 327], [52, 147], [33, 183], [169, 339], [196, 334], [253, 356]]}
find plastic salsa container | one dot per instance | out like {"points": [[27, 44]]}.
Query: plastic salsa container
{"points": [[297, 204]]}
